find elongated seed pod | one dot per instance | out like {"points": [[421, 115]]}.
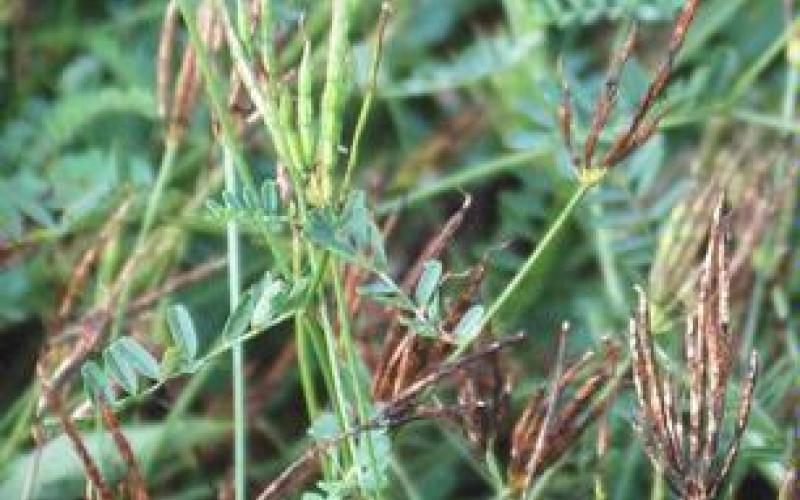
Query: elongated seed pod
{"points": [[333, 97], [305, 107]]}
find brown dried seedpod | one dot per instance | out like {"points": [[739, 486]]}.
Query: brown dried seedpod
{"points": [[551, 422], [484, 399], [688, 450], [176, 109], [137, 486], [640, 128], [404, 353], [55, 404], [405, 406]]}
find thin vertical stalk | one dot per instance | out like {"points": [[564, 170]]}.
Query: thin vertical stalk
{"points": [[345, 336], [339, 398], [153, 202], [301, 336], [303, 361], [237, 350], [372, 85]]}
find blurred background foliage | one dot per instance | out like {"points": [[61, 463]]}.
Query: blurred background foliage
{"points": [[466, 101]]}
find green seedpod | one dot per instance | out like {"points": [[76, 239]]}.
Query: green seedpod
{"points": [[333, 99], [285, 110], [305, 108]]}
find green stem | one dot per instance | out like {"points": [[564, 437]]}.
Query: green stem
{"points": [[534, 257], [749, 77], [23, 411], [339, 398], [237, 350], [301, 336], [366, 105], [153, 202], [304, 363], [345, 336]]}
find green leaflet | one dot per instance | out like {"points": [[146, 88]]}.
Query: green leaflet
{"points": [[182, 330], [428, 282]]}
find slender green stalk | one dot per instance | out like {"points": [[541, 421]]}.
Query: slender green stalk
{"points": [[237, 350], [148, 219], [339, 397], [534, 257], [345, 336], [409, 490], [304, 363], [608, 265], [22, 412], [347, 341], [748, 77], [657, 492], [301, 336], [154, 201], [372, 85]]}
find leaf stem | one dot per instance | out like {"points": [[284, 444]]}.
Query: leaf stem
{"points": [[237, 350], [367, 104]]}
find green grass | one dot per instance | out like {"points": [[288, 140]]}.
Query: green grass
{"points": [[289, 167]]}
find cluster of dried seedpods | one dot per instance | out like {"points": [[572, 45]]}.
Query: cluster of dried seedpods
{"points": [[555, 416], [640, 128], [410, 368], [554, 419], [688, 449], [679, 421]]}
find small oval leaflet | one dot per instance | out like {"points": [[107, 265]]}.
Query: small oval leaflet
{"points": [[183, 332], [469, 325], [138, 357], [95, 382], [240, 318], [428, 282], [265, 310], [118, 367]]}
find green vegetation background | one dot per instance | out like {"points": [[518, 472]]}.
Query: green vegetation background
{"points": [[466, 100]]}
